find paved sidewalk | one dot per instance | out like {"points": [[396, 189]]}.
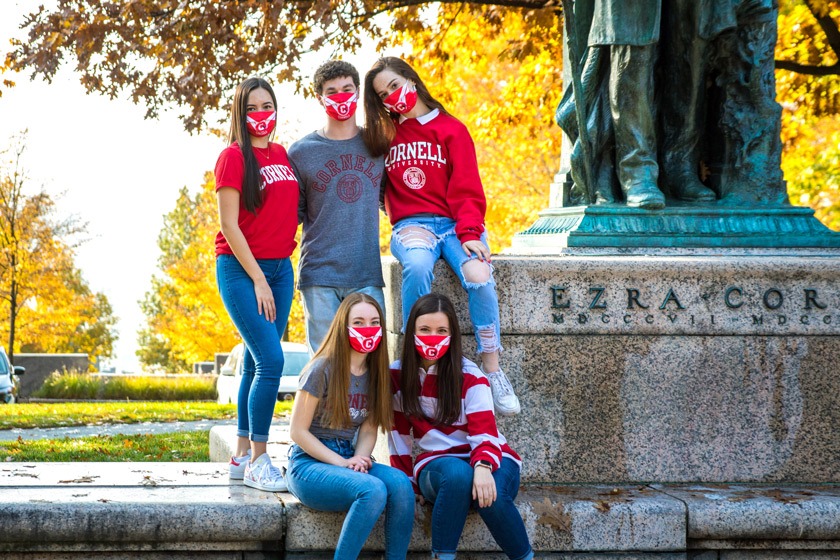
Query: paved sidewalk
{"points": [[279, 425]]}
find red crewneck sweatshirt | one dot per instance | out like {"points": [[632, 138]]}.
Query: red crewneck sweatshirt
{"points": [[432, 169]]}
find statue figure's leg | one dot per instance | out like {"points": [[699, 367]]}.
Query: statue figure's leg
{"points": [[631, 105], [684, 66]]}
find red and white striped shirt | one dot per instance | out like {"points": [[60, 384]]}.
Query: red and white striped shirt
{"points": [[473, 436]]}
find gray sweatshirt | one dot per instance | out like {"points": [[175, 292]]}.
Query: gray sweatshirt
{"points": [[339, 209]]}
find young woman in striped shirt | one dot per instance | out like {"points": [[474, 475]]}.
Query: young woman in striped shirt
{"points": [[442, 403]]}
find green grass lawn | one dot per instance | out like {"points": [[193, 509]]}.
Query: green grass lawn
{"points": [[55, 415], [182, 446], [177, 447]]}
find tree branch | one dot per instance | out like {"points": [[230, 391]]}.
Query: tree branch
{"points": [[832, 35], [829, 27], [808, 69]]}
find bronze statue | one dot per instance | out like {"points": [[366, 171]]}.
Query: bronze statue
{"points": [[615, 46], [710, 79]]}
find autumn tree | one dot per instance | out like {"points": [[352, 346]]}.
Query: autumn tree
{"points": [[49, 305], [190, 53], [811, 105], [499, 71], [186, 321]]}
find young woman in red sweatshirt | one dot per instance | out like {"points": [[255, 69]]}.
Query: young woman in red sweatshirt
{"points": [[435, 201]]}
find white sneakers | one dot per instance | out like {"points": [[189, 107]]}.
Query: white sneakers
{"points": [[262, 475], [504, 399], [236, 467]]}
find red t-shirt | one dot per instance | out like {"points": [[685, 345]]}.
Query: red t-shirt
{"points": [[432, 169], [270, 232]]}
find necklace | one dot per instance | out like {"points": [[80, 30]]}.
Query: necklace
{"points": [[357, 379], [266, 154]]}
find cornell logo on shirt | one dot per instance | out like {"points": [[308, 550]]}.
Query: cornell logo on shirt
{"points": [[416, 153], [414, 178], [276, 172], [349, 188]]}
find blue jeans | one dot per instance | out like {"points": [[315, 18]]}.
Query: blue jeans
{"points": [[262, 362], [447, 481], [320, 303], [363, 496], [418, 257]]}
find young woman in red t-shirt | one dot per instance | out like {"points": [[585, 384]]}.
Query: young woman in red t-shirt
{"points": [[258, 197], [436, 203]]}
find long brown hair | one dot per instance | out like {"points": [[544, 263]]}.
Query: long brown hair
{"points": [[335, 350], [251, 197], [379, 122], [450, 377]]}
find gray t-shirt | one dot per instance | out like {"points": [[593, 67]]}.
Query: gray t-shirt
{"points": [[339, 208], [314, 379]]}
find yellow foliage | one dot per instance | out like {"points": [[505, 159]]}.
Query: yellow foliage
{"points": [[184, 309], [46, 304], [499, 71], [811, 105]]}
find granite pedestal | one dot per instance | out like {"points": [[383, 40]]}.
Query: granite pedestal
{"points": [[667, 365]]}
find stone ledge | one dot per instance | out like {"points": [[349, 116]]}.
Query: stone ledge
{"points": [[223, 442], [118, 506], [760, 512], [585, 518], [68, 509]]}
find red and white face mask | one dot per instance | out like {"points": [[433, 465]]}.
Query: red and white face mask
{"points": [[403, 99], [341, 106], [430, 346], [364, 339], [261, 123]]}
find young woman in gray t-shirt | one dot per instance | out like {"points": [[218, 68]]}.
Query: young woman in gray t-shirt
{"points": [[343, 398]]}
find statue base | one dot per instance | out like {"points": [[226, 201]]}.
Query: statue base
{"points": [[672, 366], [678, 225]]}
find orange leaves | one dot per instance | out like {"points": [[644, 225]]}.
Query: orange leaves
{"points": [[46, 304], [498, 70]]}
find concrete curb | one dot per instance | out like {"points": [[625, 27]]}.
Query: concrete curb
{"points": [[77, 508]]}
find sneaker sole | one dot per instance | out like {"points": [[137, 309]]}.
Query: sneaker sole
{"points": [[508, 411], [252, 484], [238, 476]]}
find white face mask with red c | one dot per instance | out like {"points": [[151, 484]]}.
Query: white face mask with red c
{"points": [[341, 106], [403, 99]]}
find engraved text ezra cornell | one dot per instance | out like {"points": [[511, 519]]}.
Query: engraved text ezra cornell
{"points": [[805, 305]]}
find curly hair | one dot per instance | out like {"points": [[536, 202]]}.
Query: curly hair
{"points": [[331, 70]]}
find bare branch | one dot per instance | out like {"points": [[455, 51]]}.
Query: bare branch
{"points": [[829, 27], [832, 35], [808, 69]]}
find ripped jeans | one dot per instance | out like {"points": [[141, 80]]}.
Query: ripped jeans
{"points": [[418, 251]]}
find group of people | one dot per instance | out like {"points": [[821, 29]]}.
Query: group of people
{"points": [[421, 161]]}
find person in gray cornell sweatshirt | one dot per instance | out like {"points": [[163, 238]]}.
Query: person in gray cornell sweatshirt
{"points": [[339, 205]]}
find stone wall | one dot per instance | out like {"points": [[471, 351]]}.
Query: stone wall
{"points": [[667, 368], [40, 366]]}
